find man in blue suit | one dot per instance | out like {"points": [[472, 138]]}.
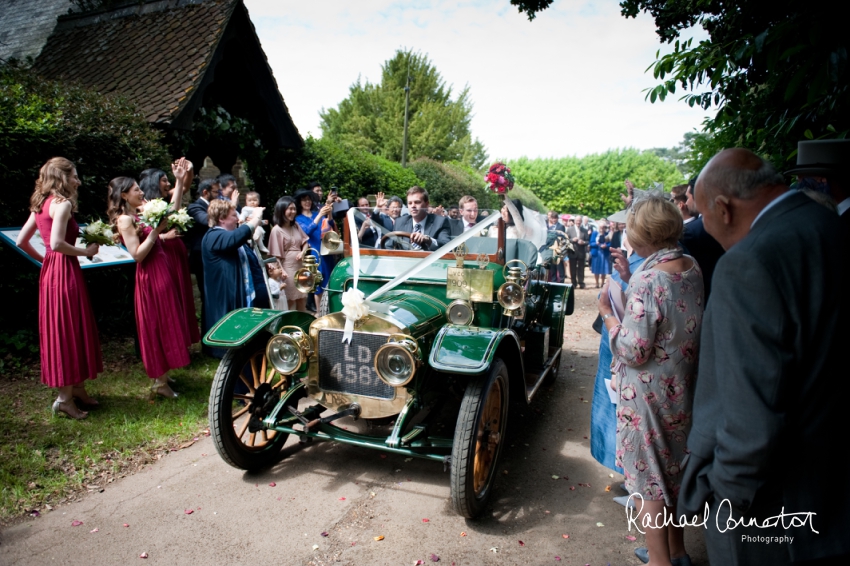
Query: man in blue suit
{"points": [[768, 415], [427, 231]]}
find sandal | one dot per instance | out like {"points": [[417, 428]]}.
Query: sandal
{"points": [[81, 395], [163, 390], [68, 408]]}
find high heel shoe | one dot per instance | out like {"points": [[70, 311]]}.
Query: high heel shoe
{"points": [[163, 390], [68, 408], [81, 395]]}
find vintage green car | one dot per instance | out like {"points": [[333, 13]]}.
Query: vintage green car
{"points": [[417, 353]]}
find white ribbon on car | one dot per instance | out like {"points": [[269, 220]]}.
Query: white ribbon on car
{"points": [[356, 306]]}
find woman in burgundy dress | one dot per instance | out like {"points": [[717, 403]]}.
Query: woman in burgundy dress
{"points": [[68, 340], [160, 319], [154, 184]]}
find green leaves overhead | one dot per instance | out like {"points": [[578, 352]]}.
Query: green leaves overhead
{"points": [[774, 73], [372, 117]]}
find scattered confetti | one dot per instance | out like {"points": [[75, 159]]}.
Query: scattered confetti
{"points": [[324, 533], [272, 484], [566, 536], [94, 530], [556, 477], [76, 523], [188, 511], [631, 538], [126, 525], [419, 562], [557, 558], [505, 472], [315, 547], [521, 543], [494, 549], [379, 537], [383, 456], [342, 499], [607, 488], [463, 534], [572, 488], [610, 475], [408, 459], [35, 513], [435, 558], [426, 520], [599, 525], [143, 555]]}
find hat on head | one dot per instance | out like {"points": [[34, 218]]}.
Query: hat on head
{"points": [[619, 217], [821, 157], [565, 217]]}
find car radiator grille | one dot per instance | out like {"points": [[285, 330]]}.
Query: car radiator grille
{"points": [[350, 368]]}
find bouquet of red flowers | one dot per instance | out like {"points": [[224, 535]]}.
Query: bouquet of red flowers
{"points": [[499, 178]]}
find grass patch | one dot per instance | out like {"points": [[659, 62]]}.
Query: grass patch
{"points": [[47, 460]]}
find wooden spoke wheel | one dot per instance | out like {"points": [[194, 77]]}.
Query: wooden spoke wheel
{"points": [[241, 375], [478, 440]]}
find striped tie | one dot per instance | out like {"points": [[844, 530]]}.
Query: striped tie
{"points": [[417, 229]]}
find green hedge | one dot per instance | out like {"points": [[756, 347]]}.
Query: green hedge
{"points": [[352, 171], [592, 184], [105, 136]]}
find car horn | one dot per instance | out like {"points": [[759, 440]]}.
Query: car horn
{"points": [[308, 278], [331, 243]]}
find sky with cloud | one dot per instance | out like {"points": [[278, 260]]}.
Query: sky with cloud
{"points": [[568, 83]]}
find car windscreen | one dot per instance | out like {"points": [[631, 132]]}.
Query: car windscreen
{"points": [[379, 231]]}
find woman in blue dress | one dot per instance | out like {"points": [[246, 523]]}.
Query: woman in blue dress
{"points": [[310, 221], [600, 263]]}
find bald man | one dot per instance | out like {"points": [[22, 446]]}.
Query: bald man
{"points": [[766, 410]]}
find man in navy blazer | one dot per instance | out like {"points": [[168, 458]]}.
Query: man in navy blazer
{"points": [[433, 230], [768, 418]]}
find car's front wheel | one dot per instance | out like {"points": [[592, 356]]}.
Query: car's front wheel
{"points": [[478, 440], [243, 377]]}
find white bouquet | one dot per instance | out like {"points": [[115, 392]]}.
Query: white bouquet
{"points": [[154, 211], [97, 232], [180, 220]]}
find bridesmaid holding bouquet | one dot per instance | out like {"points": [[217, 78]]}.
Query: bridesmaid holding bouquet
{"points": [[154, 184], [160, 317], [68, 339]]}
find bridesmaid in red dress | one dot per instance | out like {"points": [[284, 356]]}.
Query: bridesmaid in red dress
{"points": [[160, 319], [154, 184], [68, 340]]}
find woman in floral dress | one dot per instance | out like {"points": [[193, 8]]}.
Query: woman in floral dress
{"points": [[655, 364]]}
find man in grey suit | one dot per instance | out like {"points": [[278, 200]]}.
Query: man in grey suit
{"points": [[767, 418], [427, 231]]}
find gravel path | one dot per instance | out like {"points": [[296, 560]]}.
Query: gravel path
{"points": [[325, 504]]}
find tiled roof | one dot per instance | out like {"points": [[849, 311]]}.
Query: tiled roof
{"points": [[154, 53]]}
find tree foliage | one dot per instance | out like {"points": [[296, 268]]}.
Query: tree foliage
{"points": [[446, 183], [371, 118], [592, 184], [775, 73]]}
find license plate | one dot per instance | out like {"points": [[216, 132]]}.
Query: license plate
{"points": [[350, 368]]}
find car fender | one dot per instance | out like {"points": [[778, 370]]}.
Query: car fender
{"points": [[470, 350], [241, 325]]}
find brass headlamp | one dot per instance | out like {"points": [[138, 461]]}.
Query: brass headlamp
{"points": [[397, 360], [308, 278], [511, 294], [288, 350]]}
